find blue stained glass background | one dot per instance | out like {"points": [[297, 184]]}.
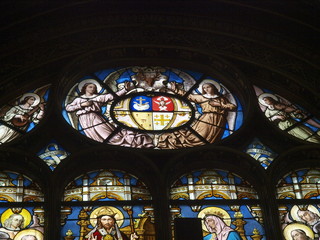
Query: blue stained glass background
{"points": [[138, 100], [185, 78]]}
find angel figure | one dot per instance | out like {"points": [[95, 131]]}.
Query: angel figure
{"points": [[88, 109], [284, 115], [210, 125], [17, 119]]}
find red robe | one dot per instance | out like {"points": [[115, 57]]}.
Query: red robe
{"points": [[99, 236]]}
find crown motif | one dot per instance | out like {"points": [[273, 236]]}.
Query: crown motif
{"points": [[215, 213], [16, 210], [303, 208], [106, 211]]}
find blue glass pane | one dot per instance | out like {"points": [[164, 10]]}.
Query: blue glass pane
{"points": [[261, 153], [52, 154], [196, 75]]}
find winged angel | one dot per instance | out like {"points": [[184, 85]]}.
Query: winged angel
{"points": [[85, 111], [217, 107], [21, 115], [288, 117]]}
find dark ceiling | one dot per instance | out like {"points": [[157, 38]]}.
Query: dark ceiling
{"points": [[272, 42]]}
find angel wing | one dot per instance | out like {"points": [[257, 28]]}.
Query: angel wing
{"points": [[4, 109], [231, 116], [285, 101], [42, 91], [72, 118], [188, 82], [111, 80], [258, 92]]}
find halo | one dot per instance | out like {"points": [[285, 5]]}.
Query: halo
{"points": [[95, 82], [217, 85], [295, 208], [24, 212], [107, 210], [214, 211], [36, 97], [29, 231], [294, 226], [263, 95]]}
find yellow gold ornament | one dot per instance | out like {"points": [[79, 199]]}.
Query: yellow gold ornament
{"points": [[108, 237]]}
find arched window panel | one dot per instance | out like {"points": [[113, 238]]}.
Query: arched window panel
{"points": [[15, 187], [300, 221], [123, 221], [211, 184], [231, 221], [52, 154], [26, 218], [19, 222], [300, 184], [107, 204], [261, 153], [19, 116], [204, 194], [289, 117], [152, 107], [106, 185]]}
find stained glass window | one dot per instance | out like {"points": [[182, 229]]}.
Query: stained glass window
{"points": [[106, 185], [22, 114], [15, 187], [288, 116], [210, 191], [20, 220], [52, 154], [300, 184], [152, 107], [300, 219], [261, 153], [213, 184], [117, 204]]}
